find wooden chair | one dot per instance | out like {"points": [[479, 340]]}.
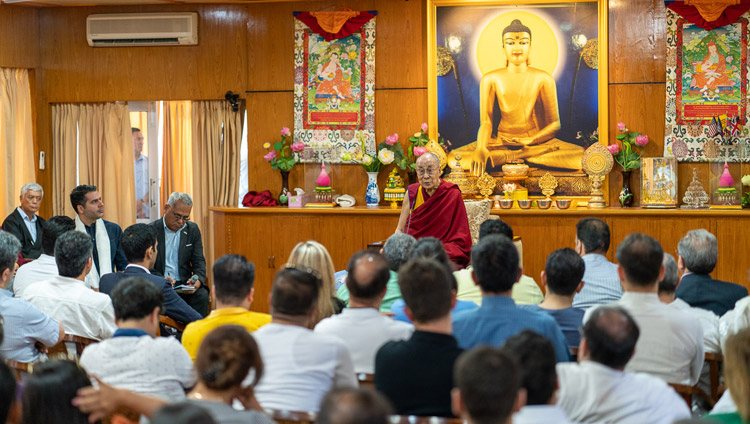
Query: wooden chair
{"points": [[573, 353], [413, 419], [292, 417], [171, 324], [122, 416], [687, 392], [70, 346], [366, 380], [20, 369], [715, 361]]}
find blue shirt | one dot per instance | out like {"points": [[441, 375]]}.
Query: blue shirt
{"points": [[30, 223], [171, 252], [570, 321], [601, 282], [498, 319], [141, 180], [398, 308], [24, 326]]}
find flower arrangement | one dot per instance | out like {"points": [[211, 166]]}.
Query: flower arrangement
{"points": [[282, 156], [508, 189], [746, 195], [389, 151], [417, 146], [629, 155]]}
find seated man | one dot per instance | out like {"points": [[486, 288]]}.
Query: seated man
{"points": [[496, 269], [599, 390], [562, 276], [81, 311], [24, 324], [136, 358], [435, 208], [536, 360], [140, 247], [300, 366], [395, 251], [699, 252], [417, 374], [354, 406], [602, 281], [525, 291], [671, 341], [180, 258], [361, 326], [233, 289], [25, 224], [45, 266], [488, 387]]}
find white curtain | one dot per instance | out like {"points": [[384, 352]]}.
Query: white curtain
{"points": [[16, 136]]}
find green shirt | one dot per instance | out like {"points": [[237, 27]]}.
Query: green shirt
{"points": [[733, 418], [525, 291], [392, 293]]}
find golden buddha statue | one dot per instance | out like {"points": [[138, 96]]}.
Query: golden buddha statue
{"points": [[529, 120]]}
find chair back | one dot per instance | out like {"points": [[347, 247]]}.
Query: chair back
{"points": [[20, 369], [171, 324], [715, 362], [292, 417], [687, 392], [477, 211], [70, 346], [366, 380]]}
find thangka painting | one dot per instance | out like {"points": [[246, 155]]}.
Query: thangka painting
{"points": [[707, 89], [334, 85]]}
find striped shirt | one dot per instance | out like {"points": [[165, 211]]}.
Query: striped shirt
{"points": [[601, 282]]}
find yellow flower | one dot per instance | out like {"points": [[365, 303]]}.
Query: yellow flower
{"points": [[267, 145], [352, 55]]}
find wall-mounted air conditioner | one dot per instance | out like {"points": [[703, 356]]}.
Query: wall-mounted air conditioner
{"points": [[142, 29]]}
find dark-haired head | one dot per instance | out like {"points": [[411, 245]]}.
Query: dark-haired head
{"points": [[432, 248], [495, 261], [234, 276], [54, 228], [136, 241], [294, 292], [181, 413], [609, 336], [354, 406], [640, 257], [49, 391], [8, 403], [564, 271], [78, 196], [72, 253], [536, 356], [10, 247], [136, 299], [226, 356], [426, 289], [495, 226], [593, 234]]}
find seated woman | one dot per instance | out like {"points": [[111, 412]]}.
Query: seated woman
{"points": [[49, 391], [313, 255]]}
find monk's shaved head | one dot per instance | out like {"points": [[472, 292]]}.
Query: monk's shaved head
{"points": [[427, 157]]}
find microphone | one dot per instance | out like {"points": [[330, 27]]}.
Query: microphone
{"points": [[194, 279]]}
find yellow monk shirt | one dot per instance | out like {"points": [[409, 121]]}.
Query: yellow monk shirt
{"points": [[197, 330]]}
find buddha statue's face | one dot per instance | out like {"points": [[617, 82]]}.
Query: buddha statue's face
{"points": [[516, 46]]}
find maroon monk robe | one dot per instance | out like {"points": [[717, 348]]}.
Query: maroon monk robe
{"points": [[443, 216]]}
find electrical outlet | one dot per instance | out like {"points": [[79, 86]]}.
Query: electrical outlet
{"points": [[41, 160]]}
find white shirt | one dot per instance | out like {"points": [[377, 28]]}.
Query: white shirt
{"points": [[601, 282], [670, 345], [150, 366], [300, 367], [709, 322], [735, 319], [541, 414], [364, 331], [593, 393], [32, 272], [82, 311]]}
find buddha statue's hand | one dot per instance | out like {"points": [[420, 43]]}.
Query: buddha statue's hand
{"points": [[479, 160], [522, 141]]}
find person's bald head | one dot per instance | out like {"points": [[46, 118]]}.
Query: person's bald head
{"points": [[610, 335], [367, 276], [428, 158]]}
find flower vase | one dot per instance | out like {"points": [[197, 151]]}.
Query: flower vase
{"points": [[626, 195], [372, 195], [284, 193]]}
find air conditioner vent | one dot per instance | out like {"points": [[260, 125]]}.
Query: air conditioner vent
{"points": [[142, 29]]}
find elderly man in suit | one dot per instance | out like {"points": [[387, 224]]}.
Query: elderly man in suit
{"points": [[180, 256], [25, 224]]}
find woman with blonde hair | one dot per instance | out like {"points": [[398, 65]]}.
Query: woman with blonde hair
{"points": [[737, 377], [313, 255]]}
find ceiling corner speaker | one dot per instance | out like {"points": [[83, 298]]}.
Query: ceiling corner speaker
{"points": [[142, 29]]}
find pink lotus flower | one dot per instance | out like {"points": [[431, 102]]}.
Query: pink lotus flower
{"points": [[391, 139], [424, 126], [621, 126], [285, 131], [641, 140], [270, 156], [614, 148], [298, 147], [419, 151]]}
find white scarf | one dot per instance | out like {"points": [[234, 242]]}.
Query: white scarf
{"points": [[102, 246]]}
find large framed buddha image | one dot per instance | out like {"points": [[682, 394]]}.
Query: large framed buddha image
{"points": [[519, 81]]}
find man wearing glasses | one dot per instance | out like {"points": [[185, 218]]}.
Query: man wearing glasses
{"points": [[435, 208], [181, 259]]}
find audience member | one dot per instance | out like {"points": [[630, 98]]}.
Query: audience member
{"points": [[135, 358], [105, 235], [671, 341], [525, 292], [361, 326], [562, 276], [9, 408], [25, 224], [81, 311], [180, 258], [488, 387], [30, 325], [182, 413], [699, 252], [45, 266], [233, 289], [599, 390], [140, 247], [300, 366], [536, 358], [395, 250], [417, 374], [737, 377], [315, 256], [734, 320], [432, 248], [49, 391], [602, 281], [141, 175], [354, 406], [496, 269]]}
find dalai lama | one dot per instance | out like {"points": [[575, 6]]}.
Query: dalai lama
{"points": [[435, 208]]}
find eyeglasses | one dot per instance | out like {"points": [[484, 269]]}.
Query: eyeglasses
{"points": [[183, 218], [426, 171]]}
